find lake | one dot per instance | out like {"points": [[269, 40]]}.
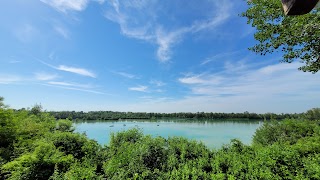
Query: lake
{"points": [[213, 133]]}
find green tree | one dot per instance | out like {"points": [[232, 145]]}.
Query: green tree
{"points": [[313, 114], [1, 102], [64, 125], [298, 37], [36, 109], [8, 135]]}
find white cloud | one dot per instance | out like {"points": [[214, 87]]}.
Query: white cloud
{"points": [[73, 86], [278, 68], [203, 79], [165, 41], [126, 75], [76, 70], [52, 55], [139, 19], [150, 99], [219, 57], [139, 88], [62, 83], [100, 1], [157, 83], [192, 80], [222, 13], [9, 79], [80, 71], [268, 88], [62, 31], [277, 88], [69, 86], [14, 61], [26, 32], [159, 90], [43, 76], [67, 5]]}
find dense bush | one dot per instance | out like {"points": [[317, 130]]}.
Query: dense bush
{"points": [[38, 164], [286, 131]]}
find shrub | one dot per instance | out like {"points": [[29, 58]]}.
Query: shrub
{"points": [[286, 131]]}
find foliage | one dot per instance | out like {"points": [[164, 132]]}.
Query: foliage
{"points": [[313, 114], [37, 146], [110, 115], [77, 145], [132, 155], [1, 102], [64, 125], [286, 131], [78, 170], [36, 109], [296, 36], [7, 134], [38, 164]]}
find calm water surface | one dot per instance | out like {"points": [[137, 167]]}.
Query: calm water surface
{"points": [[212, 133]]}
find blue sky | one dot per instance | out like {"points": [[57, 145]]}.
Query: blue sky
{"points": [[143, 55]]}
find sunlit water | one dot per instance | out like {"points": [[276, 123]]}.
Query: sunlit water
{"points": [[212, 133]]}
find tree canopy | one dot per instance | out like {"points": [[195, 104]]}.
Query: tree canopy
{"points": [[297, 37]]}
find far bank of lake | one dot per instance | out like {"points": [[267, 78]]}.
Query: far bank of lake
{"points": [[213, 133]]}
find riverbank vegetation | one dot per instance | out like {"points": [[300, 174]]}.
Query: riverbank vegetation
{"points": [[34, 145], [111, 115]]}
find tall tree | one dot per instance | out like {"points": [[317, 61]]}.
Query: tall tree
{"points": [[298, 37]]}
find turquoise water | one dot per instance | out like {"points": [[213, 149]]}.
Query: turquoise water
{"points": [[212, 133]]}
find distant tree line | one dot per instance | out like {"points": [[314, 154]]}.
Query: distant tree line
{"points": [[111, 115]]}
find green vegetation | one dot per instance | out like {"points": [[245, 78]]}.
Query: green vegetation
{"points": [[110, 115], [297, 37], [34, 145]]}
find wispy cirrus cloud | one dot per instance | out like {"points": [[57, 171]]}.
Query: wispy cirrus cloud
{"points": [[202, 79], [157, 83], [277, 88], [139, 88], [126, 75], [151, 99], [62, 31], [220, 57], [147, 21], [18, 78], [9, 79], [14, 61], [43, 76], [76, 70], [143, 20], [26, 32], [268, 81], [67, 5], [72, 86]]}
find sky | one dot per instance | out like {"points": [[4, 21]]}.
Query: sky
{"points": [[143, 56]]}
